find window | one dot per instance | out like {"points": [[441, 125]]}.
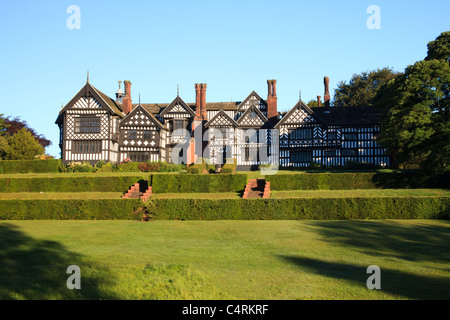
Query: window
{"points": [[139, 156], [147, 135], [87, 125], [348, 152], [301, 133], [301, 156], [252, 114], [178, 124], [329, 153], [94, 146], [131, 134], [332, 135], [350, 136], [251, 154]]}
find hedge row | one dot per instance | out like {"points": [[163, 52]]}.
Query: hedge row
{"points": [[192, 183], [101, 209], [347, 181], [69, 184], [296, 209], [229, 209], [30, 166]]}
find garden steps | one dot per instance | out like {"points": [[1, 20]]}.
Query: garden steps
{"points": [[256, 188], [134, 192]]}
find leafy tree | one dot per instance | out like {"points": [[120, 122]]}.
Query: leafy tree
{"points": [[15, 124], [362, 88], [3, 125], [23, 146], [312, 104], [416, 124], [440, 48]]}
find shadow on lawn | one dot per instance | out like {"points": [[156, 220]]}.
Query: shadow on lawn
{"points": [[415, 243], [36, 269], [395, 282]]}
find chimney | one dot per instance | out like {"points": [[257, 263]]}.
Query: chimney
{"points": [[319, 104], [203, 100], [198, 102], [127, 98], [272, 112], [326, 98]]}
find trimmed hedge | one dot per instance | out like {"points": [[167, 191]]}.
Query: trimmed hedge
{"points": [[193, 183], [196, 169], [297, 209], [101, 209], [30, 166], [348, 181], [69, 184]]}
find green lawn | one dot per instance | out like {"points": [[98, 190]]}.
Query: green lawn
{"points": [[225, 259], [361, 193]]}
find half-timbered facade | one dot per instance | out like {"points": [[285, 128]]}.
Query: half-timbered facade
{"points": [[95, 127]]}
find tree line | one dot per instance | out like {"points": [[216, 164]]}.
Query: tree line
{"points": [[415, 107]]}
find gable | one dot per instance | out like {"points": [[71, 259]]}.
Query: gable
{"points": [[299, 114], [90, 98], [255, 100], [253, 117], [139, 117], [178, 108], [87, 103], [221, 119]]}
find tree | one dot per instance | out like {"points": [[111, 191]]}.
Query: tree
{"points": [[416, 124], [15, 124], [312, 104], [439, 49], [22, 146], [362, 88]]}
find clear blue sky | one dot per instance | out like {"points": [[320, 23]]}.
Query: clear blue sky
{"points": [[233, 46]]}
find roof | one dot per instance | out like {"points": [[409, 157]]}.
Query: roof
{"points": [[110, 102], [87, 89], [362, 115], [157, 108]]}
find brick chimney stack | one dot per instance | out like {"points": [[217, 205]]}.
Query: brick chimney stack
{"points": [[319, 103], [326, 98], [198, 102], [127, 98], [272, 112], [203, 101]]}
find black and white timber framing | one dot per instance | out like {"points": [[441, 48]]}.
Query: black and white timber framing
{"points": [[95, 127]]}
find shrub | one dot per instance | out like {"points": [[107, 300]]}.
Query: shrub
{"points": [[196, 168], [360, 165], [108, 167], [79, 167], [229, 166], [296, 209], [187, 183], [65, 183], [347, 181], [128, 167], [70, 209], [30, 166]]}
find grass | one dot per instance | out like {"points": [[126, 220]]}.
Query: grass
{"points": [[361, 193], [221, 195], [225, 259]]}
